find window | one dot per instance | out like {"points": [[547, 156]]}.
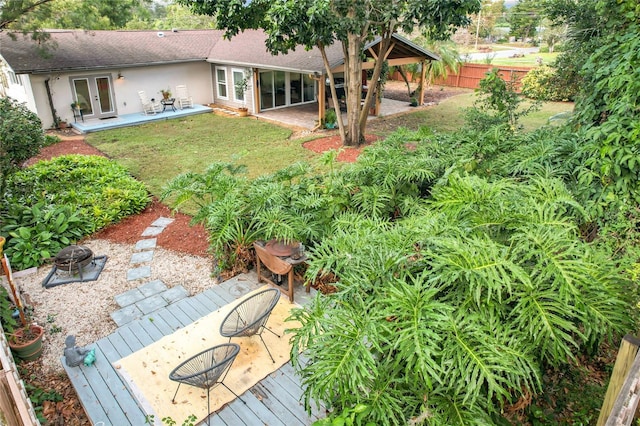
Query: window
{"points": [[238, 76], [221, 77]]}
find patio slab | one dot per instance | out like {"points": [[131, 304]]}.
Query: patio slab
{"points": [[126, 120]]}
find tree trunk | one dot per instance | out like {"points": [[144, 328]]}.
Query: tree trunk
{"points": [[353, 83]]}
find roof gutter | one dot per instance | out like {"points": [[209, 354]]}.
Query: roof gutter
{"points": [[262, 66], [105, 67]]}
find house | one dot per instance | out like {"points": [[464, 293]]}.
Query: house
{"points": [[104, 70]]}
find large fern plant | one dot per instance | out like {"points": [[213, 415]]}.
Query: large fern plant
{"points": [[451, 314]]}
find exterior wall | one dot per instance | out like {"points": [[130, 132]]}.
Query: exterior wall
{"points": [[230, 99], [14, 86], [151, 79]]}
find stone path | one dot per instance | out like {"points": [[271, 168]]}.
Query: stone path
{"points": [[152, 295]]}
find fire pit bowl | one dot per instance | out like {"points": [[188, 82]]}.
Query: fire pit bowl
{"points": [[73, 258]]}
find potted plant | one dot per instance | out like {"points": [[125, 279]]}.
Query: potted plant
{"points": [[330, 119], [25, 339], [166, 94], [241, 87]]}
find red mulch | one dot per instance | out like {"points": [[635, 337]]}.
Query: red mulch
{"points": [[346, 154]]}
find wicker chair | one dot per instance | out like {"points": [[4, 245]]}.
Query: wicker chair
{"points": [[206, 370], [250, 316]]}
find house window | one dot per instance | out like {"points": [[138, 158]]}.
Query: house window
{"points": [[221, 77], [14, 78], [238, 75]]}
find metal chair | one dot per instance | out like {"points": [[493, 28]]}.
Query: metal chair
{"points": [[182, 97], [206, 370], [249, 317]]}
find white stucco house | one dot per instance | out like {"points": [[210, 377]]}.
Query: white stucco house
{"points": [[105, 70]]}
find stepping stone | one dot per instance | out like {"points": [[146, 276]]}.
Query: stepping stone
{"points": [[139, 273], [152, 231], [142, 257], [151, 304], [162, 222], [174, 294], [129, 298], [149, 243], [152, 287], [126, 315]]}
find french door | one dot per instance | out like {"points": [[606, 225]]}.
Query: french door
{"points": [[94, 94]]}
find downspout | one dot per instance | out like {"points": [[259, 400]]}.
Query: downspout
{"points": [[56, 120]]}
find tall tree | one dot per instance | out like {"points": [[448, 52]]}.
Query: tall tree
{"points": [[524, 18], [19, 14], [314, 23]]}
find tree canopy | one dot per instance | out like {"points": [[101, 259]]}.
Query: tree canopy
{"points": [[312, 23]]}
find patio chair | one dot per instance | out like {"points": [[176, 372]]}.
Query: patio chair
{"points": [[149, 107], [250, 316], [182, 97], [206, 370]]}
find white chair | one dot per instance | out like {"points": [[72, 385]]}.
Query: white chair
{"points": [[182, 97], [149, 107]]}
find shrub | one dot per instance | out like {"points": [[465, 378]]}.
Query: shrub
{"points": [[21, 137], [543, 84], [55, 203]]}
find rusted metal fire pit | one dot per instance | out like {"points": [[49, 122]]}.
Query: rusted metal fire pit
{"points": [[73, 264]]}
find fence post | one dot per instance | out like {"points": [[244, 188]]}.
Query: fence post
{"points": [[626, 355]]}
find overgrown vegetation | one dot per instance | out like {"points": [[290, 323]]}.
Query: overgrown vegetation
{"points": [[55, 203], [471, 267]]}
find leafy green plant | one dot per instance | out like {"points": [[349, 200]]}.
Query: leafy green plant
{"points": [[542, 84], [38, 396], [21, 137], [189, 421], [39, 232], [6, 312], [499, 103]]}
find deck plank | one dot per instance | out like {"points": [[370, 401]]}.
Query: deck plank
{"points": [[229, 417], [134, 341], [280, 393], [184, 306], [176, 311], [214, 297], [258, 410], [87, 396], [159, 322], [275, 405], [119, 344]]}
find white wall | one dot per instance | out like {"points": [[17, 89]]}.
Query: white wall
{"points": [[196, 75], [15, 86]]}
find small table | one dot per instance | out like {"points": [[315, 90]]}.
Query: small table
{"points": [[170, 102], [277, 264]]}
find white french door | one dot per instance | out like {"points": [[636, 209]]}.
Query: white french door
{"points": [[94, 94]]}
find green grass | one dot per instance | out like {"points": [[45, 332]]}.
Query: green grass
{"points": [[448, 115], [157, 152], [529, 60]]}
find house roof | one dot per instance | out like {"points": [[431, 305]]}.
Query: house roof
{"points": [[81, 50], [248, 49], [84, 50]]}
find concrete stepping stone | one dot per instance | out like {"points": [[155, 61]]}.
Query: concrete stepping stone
{"points": [[142, 257], [152, 287], [138, 273], [151, 304], [126, 315], [152, 231], [147, 244], [174, 294], [162, 222], [129, 297]]}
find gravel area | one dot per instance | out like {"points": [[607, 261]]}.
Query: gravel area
{"points": [[84, 308]]}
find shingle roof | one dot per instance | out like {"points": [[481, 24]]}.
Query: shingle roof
{"points": [[83, 50], [248, 49], [79, 49]]}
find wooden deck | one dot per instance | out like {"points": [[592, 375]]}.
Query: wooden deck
{"points": [[276, 400]]}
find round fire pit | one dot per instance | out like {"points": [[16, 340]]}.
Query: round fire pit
{"points": [[73, 258]]}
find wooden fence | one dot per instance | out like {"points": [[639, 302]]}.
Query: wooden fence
{"points": [[15, 405], [469, 75]]}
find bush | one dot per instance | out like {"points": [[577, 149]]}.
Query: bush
{"points": [[543, 84], [21, 137], [67, 198]]}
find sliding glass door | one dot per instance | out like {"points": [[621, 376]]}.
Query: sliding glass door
{"points": [[94, 95]]}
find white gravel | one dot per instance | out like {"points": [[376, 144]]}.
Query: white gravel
{"points": [[84, 308]]}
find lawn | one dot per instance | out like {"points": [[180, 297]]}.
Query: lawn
{"points": [[157, 152]]}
